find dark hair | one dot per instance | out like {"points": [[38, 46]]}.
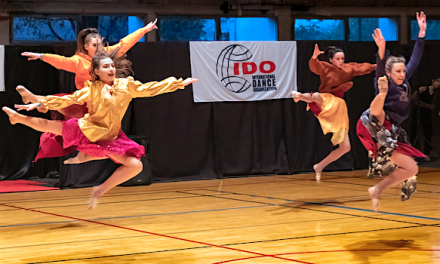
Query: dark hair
{"points": [[122, 65], [330, 51], [84, 37]]}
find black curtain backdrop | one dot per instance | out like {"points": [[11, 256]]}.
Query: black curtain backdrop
{"points": [[199, 140]]}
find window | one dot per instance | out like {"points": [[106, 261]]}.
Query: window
{"points": [[54, 29], [361, 29], [248, 28], [432, 32], [319, 29], [135, 23], [111, 28], [43, 29], [188, 29]]}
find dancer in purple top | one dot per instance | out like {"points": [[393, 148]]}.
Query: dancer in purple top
{"points": [[379, 127]]}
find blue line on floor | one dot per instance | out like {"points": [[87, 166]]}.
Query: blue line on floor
{"points": [[132, 216], [343, 207], [366, 210]]}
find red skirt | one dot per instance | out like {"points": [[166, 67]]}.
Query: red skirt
{"points": [[370, 144]]}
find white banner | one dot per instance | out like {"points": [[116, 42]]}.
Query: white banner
{"points": [[2, 68], [243, 70]]}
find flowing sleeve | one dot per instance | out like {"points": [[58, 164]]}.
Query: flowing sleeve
{"points": [[79, 97], [361, 68], [61, 62], [150, 89], [315, 66], [416, 57], [128, 42]]}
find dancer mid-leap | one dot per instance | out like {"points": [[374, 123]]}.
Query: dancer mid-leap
{"points": [[98, 134], [328, 105], [88, 43], [379, 126]]}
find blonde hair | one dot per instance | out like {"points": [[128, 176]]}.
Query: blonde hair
{"points": [[391, 60]]}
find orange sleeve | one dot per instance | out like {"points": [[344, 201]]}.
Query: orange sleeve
{"points": [[128, 42], [315, 66], [61, 62], [362, 68]]}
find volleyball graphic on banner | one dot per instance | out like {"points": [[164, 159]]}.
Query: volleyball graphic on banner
{"points": [[225, 60]]}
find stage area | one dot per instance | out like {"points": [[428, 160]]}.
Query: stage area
{"points": [[254, 219]]}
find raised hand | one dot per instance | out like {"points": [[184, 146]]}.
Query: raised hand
{"points": [[188, 81], [151, 25], [380, 42], [421, 20], [378, 38], [31, 55], [316, 52]]}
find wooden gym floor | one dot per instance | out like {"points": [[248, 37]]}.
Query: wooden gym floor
{"points": [[264, 219]]}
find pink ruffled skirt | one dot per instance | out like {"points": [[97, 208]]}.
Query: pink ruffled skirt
{"points": [[51, 145], [73, 138]]}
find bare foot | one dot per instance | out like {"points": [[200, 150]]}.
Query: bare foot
{"points": [[95, 198], [14, 117], [296, 96], [26, 95], [374, 194], [81, 158], [318, 172]]}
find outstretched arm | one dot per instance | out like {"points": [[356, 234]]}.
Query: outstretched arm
{"points": [[79, 97], [314, 64], [362, 68], [129, 41], [150, 89], [59, 62], [382, 53], [417, 53], [380, 42]]}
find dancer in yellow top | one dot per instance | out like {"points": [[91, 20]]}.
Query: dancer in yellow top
{"points": [[98, 134], [88, 43]]}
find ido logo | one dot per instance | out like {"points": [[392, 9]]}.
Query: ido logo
{"points": [[226, 73], [233, 61]]}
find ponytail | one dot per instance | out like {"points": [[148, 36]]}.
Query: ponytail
{"points": [[330, 51]]}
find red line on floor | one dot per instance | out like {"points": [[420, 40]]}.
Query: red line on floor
{"points": [[155, 234], [233, 260]]}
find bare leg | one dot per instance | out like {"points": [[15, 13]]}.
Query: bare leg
{"points": [[308, 98], [130, 167], [343, 148], [39, 124], [81, 158], [407, 168], [376, 109], [27, 96]]}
